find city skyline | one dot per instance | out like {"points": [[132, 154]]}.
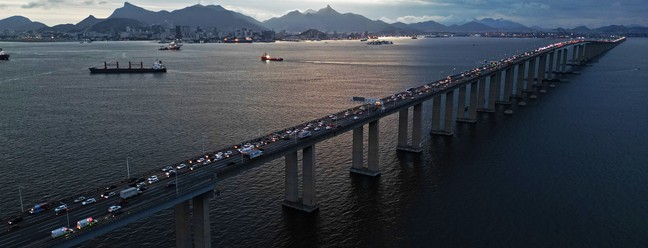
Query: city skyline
{"points": [[546, 14]]}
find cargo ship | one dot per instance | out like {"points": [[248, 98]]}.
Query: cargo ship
{"points": [[157, 67], [3, 55], [174, 45]]}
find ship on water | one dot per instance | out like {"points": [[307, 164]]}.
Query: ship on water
{"points": [[174, 45], [267, 57], [157, 67], [3, 55]]}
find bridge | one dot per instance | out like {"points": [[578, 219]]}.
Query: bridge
{"points": [[517, 79]]}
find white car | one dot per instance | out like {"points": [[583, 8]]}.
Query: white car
{"points": [[113, 208], [167, 168], [153, 179], [60, 208], [79, 199], [88, 201], [181, 166]]}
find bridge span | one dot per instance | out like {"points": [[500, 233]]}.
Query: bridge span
{"points": [[517, 79]]}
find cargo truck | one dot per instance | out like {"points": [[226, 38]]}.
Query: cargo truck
{"points": [[129, 192]]}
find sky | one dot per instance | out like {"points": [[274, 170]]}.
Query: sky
{"points": [[543, 13]]}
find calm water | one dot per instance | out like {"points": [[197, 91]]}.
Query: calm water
{"points": [[568, 170]]}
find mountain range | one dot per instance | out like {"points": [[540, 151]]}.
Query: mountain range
{"points": [[326, 19]]}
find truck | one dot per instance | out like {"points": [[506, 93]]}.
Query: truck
{"points": [[61, 231], [86, 222], [254, 153], [41, 207], [129, 192]]}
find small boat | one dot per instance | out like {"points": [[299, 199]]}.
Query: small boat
{"points": [[174, 45], [157, 67], [3, 55], [267, 57]]}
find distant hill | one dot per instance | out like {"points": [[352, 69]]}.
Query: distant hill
{"points": [[20, 23], [116, 25], [85, 24], [471, 27], [429, 26], [327, 20], [503, 25], [211, 16]]}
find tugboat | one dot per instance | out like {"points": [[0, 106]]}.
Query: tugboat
{"points": [[158, 67], [3, 55], [174, 45], [267, 57]]}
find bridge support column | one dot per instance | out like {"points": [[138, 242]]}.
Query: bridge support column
{"points": [[447, 123], [550, 71], [557, 70], [373, 159], [471, 108], [520, 84], [417, 127], [291, 180], [202, 227], [574, 61], [309, 200], [436, 113], [403, 124], [508, 87], [542, 69], [481, 95], [581, 56], [530, 83], [183, 225], [563, 69], [357, 155], [493, 93]]}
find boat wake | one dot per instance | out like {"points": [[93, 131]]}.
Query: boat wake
{"points": [[29, 76]]}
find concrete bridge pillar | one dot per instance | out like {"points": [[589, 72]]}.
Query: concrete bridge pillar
{"points": [[493, 91], [462, 110], [531, 77], [183, 225], [291, 180], [520, 85], [468, 110], [550, 71], [309, 200], [574, 61], [508, 87], [202, 227], [403, 120], [542, 68], [481, 94], [436, 113], [581, 56], [446, 129], [374, 152], [564, 61], [357, 155], [417, 127]]}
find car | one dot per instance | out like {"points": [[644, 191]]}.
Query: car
{"points": [[140, 180], [108, 194], [171, 173], [167, 168], [114, 208], [153, 179], [200, 160], [15, 220], [110, 187], [60, 209], [170, 185], [88, 201], [181, 166], [79, 199], [193, 166], [142, 188], [142, 184]]}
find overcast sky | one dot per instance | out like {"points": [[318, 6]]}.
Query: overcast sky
{"points": [[544, 13]]}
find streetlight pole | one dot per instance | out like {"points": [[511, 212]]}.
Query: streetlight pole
{"points": [[176, 179], [67, 213], [128, 167], [20, 195]]}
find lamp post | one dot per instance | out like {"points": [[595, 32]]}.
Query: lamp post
{"points": [[20, 195], [176, 179], [67, 214], [128, 167]]}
